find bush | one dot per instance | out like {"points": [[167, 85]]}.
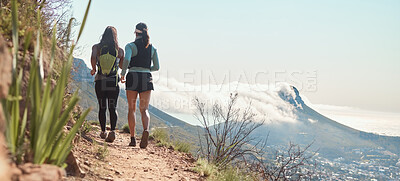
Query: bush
{"points": [[101, 151], [227, 132], [86, 128], [182, 146], [214, 173], [232, 174], [125, 128], [204, 168], [159, 135], [92, 122], [48, 116]]}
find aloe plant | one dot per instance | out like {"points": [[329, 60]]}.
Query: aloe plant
{"points": [[15, 125], [48, 116]]}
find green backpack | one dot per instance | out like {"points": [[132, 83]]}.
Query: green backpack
{"points": [[107, 62]]}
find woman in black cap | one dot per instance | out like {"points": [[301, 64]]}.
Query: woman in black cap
{"points": [[141, 59]]}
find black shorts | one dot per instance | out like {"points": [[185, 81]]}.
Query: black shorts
{"points": [[139, 81]]}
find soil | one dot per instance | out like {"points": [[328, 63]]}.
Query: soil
{"points": [[130, 163]]}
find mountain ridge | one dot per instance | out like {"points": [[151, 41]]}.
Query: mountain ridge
{"points": [[326, 134]]}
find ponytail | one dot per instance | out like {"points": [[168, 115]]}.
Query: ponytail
{"points": [[143, 32], [146, 38]]}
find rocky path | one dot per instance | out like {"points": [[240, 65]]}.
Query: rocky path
{"points": [[130, 163]]}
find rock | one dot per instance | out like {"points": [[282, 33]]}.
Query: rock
{"points": [[15, 172], [86, 163], [39, 172], [108, 178], [73, 167]]}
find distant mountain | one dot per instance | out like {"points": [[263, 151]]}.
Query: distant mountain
{"points": [[84, 83], [330, 137]]}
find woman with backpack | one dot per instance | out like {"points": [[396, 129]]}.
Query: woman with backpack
{"points": [[139, 54], [107, 56]]}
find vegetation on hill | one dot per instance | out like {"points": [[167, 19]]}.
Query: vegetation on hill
{"points": [[162, 138], [36, 109]]}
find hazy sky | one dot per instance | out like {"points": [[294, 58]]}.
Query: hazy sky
{"points": [[336, 52]]}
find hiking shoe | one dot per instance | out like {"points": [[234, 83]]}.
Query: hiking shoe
{"points": [[111, 137], [133, 142], [103, 135], [145, 139]]}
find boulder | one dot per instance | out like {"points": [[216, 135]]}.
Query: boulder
{"points": [[73, 168], [43, 172]]}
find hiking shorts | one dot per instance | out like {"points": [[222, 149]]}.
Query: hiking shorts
{"points": [[139, 81]]}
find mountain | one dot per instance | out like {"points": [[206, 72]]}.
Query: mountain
{"points": [[83, 82], [331, 138]]}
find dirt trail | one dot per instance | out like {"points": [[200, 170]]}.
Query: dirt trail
{"points": [[131, 163]]}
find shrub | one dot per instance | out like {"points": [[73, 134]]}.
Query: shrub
{"points": [[125, 128], [86, 128], [214, 173], [102, 151], [232, 174], [48, 142], [182, 146], [159, 135], [227, 132], [92, 122], [204, 168]]}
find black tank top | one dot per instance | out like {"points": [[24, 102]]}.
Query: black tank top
{"points": [[143, 57]]}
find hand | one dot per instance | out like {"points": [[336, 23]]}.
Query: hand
{"points": [[93, 72], [123, 79]]}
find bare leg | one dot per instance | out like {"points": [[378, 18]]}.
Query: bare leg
{"points": [[144, 108], [132, 97]]}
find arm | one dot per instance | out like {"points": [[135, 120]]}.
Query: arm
{"points": [[121, 57], [93, 59], [125, 62], [128, 55], [156, 64]]}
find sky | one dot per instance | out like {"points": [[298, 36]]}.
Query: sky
{"points": [[337, 52]]}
